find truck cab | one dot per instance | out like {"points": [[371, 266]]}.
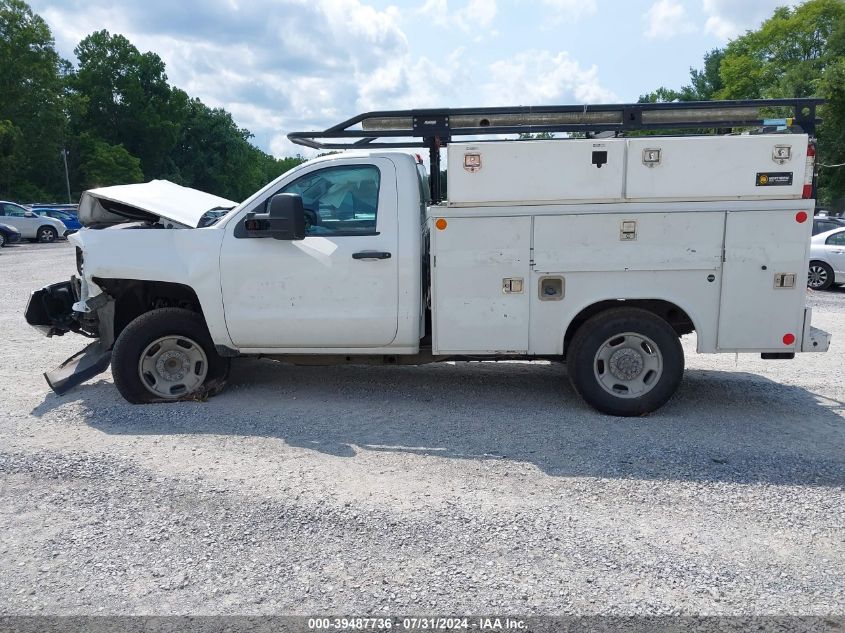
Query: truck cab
{"points": [[600, 252]]}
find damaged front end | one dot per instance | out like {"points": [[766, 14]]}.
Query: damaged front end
{"points": [[65, 307]]}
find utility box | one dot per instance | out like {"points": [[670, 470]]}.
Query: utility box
{"points": [[567, 171], [536, 172], [763, 167]]}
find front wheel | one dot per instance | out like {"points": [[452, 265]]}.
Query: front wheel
{"points": [[47, 234], [2, 240], [819, 276], [167, 355], [625, 362]]}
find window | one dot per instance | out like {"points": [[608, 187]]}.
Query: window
{"points": [[837, 239], [13, 211], [339, 200]]}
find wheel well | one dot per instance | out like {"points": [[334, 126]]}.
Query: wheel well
{"points": [[135, 297], [669, 312]]}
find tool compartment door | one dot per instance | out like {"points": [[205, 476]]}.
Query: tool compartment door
{"points": [[472, 259], [755, 314]]}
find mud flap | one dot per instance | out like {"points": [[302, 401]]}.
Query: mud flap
{"points": [[86, 363]]}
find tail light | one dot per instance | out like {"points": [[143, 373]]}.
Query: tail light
{"points": [[809, 172]]}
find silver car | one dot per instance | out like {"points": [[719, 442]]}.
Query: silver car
{"points": [[827, 259], [31, 225]]}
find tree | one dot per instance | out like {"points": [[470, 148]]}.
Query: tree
{"points": [[704, 84], [539, 136], [103, 164], [127, 99], [31, 104]]}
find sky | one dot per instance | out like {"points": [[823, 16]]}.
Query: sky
{"points": [[290, 65]]}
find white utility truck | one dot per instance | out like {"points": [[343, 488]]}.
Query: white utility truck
{"points": [[601, 250]]}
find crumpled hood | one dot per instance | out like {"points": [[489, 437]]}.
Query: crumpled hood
{"points": [[154, 200]]}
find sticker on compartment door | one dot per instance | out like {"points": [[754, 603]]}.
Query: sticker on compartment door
{"points": [[774, 179]]}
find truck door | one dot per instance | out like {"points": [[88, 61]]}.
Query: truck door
{"points": [[338, 287], [763, 280]]}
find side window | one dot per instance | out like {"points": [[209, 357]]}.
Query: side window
{"points": [[13, 211], [339, 200], [837, 239]]}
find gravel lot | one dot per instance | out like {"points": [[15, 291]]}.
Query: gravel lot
{"points": [[454, 488]]}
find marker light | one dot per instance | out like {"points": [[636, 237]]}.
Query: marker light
{"points": [[809, 170], [788, 339], [440, 223], [801, 217]]}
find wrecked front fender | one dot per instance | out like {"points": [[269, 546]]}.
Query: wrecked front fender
{"points": [[51, 311]]}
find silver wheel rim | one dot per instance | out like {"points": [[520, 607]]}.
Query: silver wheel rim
{"points": [[817, 276], [2, 239], [46, 235], [172, 367], [628, 365]]}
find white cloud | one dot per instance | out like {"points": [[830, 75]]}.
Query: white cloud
{"points": [[543, 78], [472, 16], [666, 19], [728, 18], [289, 65], [570, 10]]}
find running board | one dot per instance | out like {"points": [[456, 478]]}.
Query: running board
{"points": [[85, 364]]}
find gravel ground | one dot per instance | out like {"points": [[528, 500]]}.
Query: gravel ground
{"points": [[454, 488]]}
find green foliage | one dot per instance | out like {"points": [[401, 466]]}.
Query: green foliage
{"points": [[116, 114], [539, 136], [704, 84], [31, 90], [104, 164]]}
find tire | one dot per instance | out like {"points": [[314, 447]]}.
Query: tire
{"points": [[2, 240], [167, 355], [625, 362], [46, 234], [819, 276]]}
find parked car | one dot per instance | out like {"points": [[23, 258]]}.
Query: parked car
{"points": [[9, 235], [827, 259], [31, 225], [68, 219], [39, 206], [827, 223]]}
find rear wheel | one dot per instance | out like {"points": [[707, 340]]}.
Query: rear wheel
{"points": [[167, 355], [625, 362], [2, 240], [46, 234], [819, 276]]}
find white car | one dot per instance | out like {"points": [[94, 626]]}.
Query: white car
{"points": [[31, 225], [827, 259]]}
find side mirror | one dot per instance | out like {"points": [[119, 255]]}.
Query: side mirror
{"points": [[30, 214], [284, 220]]}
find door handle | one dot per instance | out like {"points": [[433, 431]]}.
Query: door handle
{"points": [[371, 255]]}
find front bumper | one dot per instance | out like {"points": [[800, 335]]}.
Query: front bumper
{"points": [[50, 310]]}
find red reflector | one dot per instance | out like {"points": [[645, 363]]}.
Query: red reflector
{"points": [[801, 217], [788, 339], [811, 150], [807, 193]]}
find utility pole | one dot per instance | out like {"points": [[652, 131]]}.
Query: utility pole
{"points": [[67, 178]]}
